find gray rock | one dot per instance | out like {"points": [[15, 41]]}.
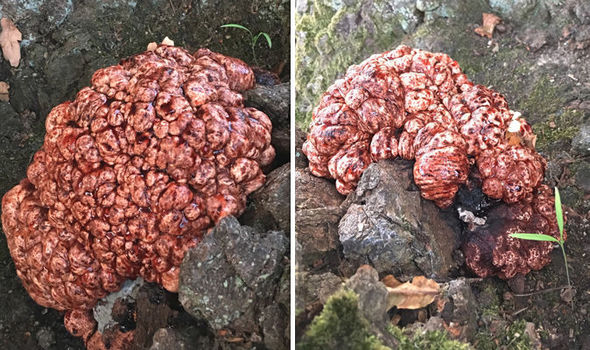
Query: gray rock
{"points": [[582, 12], [372, 294], [231, 276], [318, 211], [168, 338], [581, 142], [434, 323], [516, 10], [583, 177], [463, 308], [45, 338], [300, 158], [315, 288], [455, 307], [275, 325], [178, 339], [393, 228], [301, 6], [29, 14], [271, 202], [372, 301], [275, 102], [535, 38]]}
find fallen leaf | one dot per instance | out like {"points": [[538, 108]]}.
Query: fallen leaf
{"points": [[9, 41], [4, 91], [489, 23], [390, 281], [520, 133], [515, 138], [415, 295]]}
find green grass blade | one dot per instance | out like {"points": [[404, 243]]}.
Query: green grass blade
{"points": [[534, 237], [233, 25], [268, 40], [559, 213]]}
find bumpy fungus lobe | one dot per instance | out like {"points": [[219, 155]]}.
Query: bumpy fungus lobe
{"points": [[132, 173], [490, 251], [419, 105]]}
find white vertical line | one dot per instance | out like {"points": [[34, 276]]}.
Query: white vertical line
{"points": [[292, 198]]}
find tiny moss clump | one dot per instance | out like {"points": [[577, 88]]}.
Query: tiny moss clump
{"points": [[431, 340], [560, 127], [512, 337], [340, 326]]}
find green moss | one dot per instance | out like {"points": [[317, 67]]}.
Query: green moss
{"points": [[298, 311], [489, 300], [340, 326], [511, 337], [330, 40], [545, 98], [431, 340], [560, 126]]}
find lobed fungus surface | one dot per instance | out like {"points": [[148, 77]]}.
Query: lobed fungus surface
{"points": [[131, 174], [420, 106]]}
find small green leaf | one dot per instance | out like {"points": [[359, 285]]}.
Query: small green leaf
{"points": [[534, 237], [233, 25], [255, 39], [268, 40], [559, 213]]}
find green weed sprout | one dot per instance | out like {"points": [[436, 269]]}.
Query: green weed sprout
{"points": [[547, 238], [253, 38]]}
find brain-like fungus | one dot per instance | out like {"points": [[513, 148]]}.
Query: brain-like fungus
{"points": [[489, 250], [420, 106], [131, 174]]}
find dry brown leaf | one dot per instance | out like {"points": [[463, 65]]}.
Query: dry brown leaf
{"points": [[390, 281], [418, 294], [515, 138], [9, 41], [489, 23], [4, 91]]}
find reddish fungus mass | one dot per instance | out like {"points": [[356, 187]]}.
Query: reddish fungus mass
{"points": [[419, 105], [131, 174]]}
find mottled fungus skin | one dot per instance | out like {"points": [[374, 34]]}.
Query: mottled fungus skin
{"points": [[132, 173], [489, 251], [420, 106]]}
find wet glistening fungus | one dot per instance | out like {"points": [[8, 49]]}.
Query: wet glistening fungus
{"points": [[131, 174], [420, 105]]}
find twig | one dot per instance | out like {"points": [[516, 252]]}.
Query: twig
{"points": [[540, 291], [519, 311]]}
